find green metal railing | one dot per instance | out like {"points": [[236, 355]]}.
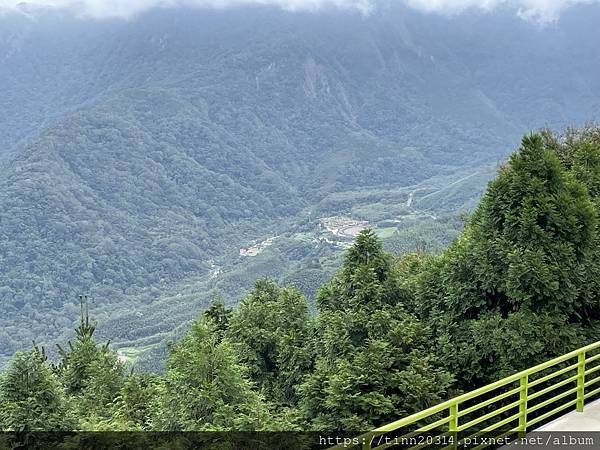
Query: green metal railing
{"points": [[513, 404]]}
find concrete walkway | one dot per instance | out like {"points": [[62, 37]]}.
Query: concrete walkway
{"points": [[588, 420]]}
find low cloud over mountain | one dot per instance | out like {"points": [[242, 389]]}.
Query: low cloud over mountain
{"points": [[538, 10]]}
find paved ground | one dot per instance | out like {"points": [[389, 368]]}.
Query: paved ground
{"points": [[588, 420]]}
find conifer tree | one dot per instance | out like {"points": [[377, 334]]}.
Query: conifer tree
{"points": [[517, 273], [205, 388], [31, 397], [91, 373], [372, 361], [586, 169], [136, 401], [270, 330], [219, 314]]}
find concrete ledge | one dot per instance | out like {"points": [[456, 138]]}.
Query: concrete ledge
{"points": [[588, 420]]}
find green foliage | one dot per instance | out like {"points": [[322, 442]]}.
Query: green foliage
{"points": [[270, 330], [424, 234], [31, 397], [493, 346], [566, 145], [219, 315], [579, 152], [372, 362], [92, 374], [391, 335], [520, 268], [134, 406], [205, 388], [126, 171], [586, 167]]}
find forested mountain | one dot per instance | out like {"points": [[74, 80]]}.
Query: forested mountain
{"points": [[138, 156], [391, 335]]}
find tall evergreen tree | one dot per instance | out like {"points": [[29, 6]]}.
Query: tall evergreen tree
{"points": [[205, 388], [372, 362], [31, 397], [586, 169], [91, 373], [270, 330], [519, 268], [219, 314], [134, 406], [579, 151]]}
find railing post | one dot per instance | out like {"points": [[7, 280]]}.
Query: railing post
{"points": [[524, 381], [453, 425], [580, 380]]}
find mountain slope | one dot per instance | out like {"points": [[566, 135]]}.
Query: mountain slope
{"points": [[139, 156]]}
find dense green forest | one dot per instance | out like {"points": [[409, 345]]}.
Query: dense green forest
{"points": [[137, 157], [391, 334]]}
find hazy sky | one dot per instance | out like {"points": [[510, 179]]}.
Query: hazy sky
{"points": [[544, 10], [541, 10]]}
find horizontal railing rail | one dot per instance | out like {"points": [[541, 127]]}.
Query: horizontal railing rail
{"points": [[513, 405]]}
